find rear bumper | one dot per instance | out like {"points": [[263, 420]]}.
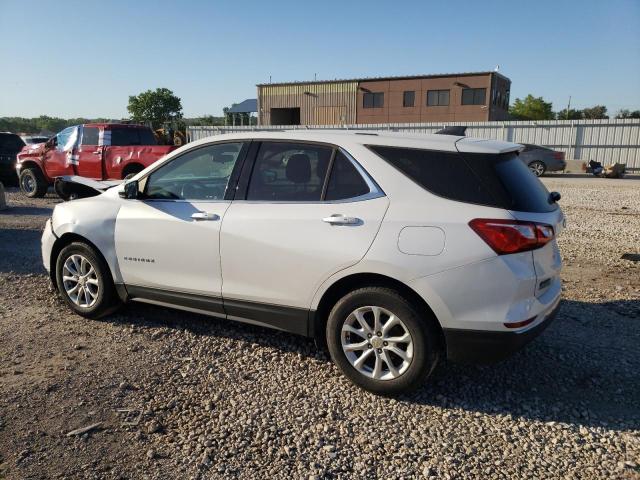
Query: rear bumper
{"points": [[485, 346]]}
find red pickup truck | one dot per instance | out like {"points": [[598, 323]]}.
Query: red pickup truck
{"points": [[100, 151]]}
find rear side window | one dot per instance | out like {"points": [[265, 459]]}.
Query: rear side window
{"points": [[10, 143], [289, 172], [90, 136], [495, 180], [345, 181], [132, 136]]}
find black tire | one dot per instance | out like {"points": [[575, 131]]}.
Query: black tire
{"points": [[420, 325], [33, 183], [106, 299], [131, 171], [537, 168]]}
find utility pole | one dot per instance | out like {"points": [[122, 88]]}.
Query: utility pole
{"points": [[568, 108]]}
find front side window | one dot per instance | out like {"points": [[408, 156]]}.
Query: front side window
{"points": [[90, 135], [200, 174], [66, 139], [289, 172], [473, 96], [408, 98], [373, 100], [437, 98]]}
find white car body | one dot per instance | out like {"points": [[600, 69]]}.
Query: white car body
{"points": [[272, 263]]}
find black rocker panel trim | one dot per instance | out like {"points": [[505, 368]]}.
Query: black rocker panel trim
{"points": [[290, 319]]}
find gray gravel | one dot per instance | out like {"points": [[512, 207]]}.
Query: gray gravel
{"points": [[185, 396]]}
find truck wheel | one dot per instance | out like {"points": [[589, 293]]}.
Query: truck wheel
{"points": [[85, 282], [131, 171], [382, 342], [32, 183]]}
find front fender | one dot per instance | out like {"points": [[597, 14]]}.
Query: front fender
{"points": [[93, 219]]}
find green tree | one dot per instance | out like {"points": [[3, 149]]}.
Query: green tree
{"points": [[531, 108], [598, 111], [626, 113], [155, 107], [570, 114]]}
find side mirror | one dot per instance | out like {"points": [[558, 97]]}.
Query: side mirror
{"points": [[554, 197], [51, 143], [131, 190]]}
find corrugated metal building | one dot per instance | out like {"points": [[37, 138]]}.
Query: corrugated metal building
{"points": [[473, 96], [322, 103]]}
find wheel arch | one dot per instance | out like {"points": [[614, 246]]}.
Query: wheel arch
{"points": [[67, 239], [133, 167], [354, 281], [32, 163]]}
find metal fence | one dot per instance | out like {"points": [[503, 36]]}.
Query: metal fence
{"points": [[607, 141]]}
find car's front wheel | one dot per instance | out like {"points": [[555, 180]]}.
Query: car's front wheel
{"points": [[84, 281], [381, 341], [537, 168], [33, 183]]}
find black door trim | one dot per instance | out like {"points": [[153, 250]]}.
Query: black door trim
{"points": [[191, 300], [290, 319]]}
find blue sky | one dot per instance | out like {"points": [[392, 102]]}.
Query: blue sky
{"points": [[73, 58]]}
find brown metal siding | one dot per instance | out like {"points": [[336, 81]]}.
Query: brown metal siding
{"points": [[322, 104], [394, 112]]}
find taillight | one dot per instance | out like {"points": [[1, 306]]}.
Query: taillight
{"points": [[512, 236], [558, 155]]}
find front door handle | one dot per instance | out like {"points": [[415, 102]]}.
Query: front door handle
{"points": [[205, 216], [339, 219]]}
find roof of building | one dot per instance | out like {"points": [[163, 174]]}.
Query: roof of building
{"points": [[249, 105], [373, 79]]}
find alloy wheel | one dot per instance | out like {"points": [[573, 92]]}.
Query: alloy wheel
{"points": [[537, 168], [377, 343], [28, 183], [80, 281]]}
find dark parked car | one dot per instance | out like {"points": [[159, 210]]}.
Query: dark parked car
{"points": [[542, 159], [10, 145]]}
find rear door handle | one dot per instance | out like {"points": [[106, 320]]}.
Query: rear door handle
{"points": [[339, 219], [198, 216]]}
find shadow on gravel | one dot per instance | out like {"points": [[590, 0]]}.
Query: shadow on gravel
{"points": [[20, 251], [582, 370], [27, 211]]}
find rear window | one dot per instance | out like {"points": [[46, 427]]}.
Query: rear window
{"points": [[495, 180], [10, 143], [132, 136]]}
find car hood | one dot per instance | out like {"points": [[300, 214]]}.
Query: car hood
{"points": [[36, 148]]}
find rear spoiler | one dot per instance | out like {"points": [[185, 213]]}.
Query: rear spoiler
{"points": [[71, 187], [458, 131]]}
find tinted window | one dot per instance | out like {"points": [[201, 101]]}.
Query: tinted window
{"points": [[408, 99], [437, 98], [473, 96], [345, 181], [124, 136], [496, 180], [201, 174], [90, 136], [10, 143], [373, 100], [289, 172]]}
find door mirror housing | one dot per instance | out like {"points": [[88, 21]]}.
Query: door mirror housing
{"points": [[131, 190], [51, 143], [554, 197]]}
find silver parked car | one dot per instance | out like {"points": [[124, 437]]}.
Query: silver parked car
{"points": [[542, 159]]}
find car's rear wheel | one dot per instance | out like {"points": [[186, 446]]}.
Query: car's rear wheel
{"points": [[84, 281], [33, 183], [537, 167], [381, 341]]}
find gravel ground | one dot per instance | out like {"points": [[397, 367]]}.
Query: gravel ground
{"points": [[178, 395]]}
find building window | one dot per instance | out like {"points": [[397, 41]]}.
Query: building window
{"points": [[473, 96], [505, 99], [373, 100], [437, 98], [408, 98]]}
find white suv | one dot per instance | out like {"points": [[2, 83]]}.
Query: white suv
{"points": [[395, 250]]}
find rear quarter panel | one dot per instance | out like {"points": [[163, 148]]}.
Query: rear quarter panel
{"points": [[116, 158]]}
